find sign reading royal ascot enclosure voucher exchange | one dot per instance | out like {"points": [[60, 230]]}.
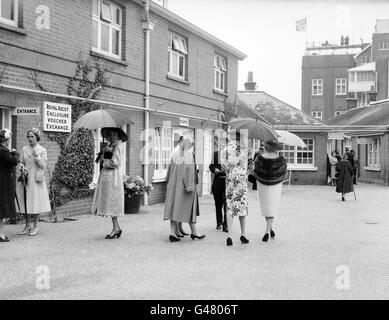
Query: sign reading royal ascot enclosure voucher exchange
{"points": [[57, 117]]}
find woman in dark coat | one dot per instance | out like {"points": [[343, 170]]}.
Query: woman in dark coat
{"points": [[345, 178], [8, 160]]}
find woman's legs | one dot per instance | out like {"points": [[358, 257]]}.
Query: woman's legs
{"points": [[343, 197], [115, 224], [173, 228], [1, 228], [269, 224], [242, 221], [27, 226]]}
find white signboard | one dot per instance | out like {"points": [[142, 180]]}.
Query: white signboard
{"points": [[335, 135], [184, 122], [57, 117], [364, 141], [27, 111]]}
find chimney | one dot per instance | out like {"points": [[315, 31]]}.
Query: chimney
{"points": [[250, 85], [372, 96], [346, 40], [351, 103], [342, 40]]}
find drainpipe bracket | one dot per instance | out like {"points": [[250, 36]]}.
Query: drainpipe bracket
{"points": [[147, 25]]}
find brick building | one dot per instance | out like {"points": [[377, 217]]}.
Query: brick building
{"points": [[324, 85], [191, 75]]}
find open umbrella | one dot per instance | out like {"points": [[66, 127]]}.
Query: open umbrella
{"points": [[290, 139], [257, 129], [101, 119]]}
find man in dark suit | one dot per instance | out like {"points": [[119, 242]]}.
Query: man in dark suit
{"points": [[219, 191]]}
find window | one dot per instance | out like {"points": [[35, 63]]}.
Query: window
{"points": [[178, 52], [317, 87], [220, 70], [299, 157], [365, 76], [107, 28], [373, 154], [362, 100], [165, 140], [340, 84], [338, 113], [317, 115], [351, 76], [365, 59], [383, 45], [9, 12]]}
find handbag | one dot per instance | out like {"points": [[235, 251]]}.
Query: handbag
{"points": [[39, 175]]}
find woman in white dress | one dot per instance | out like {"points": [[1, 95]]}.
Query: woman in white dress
{"points": [[33, 160], [333, 162], [270, 170], [234, 163]]}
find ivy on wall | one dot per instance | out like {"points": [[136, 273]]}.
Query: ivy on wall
{"points": [[73, 171]]}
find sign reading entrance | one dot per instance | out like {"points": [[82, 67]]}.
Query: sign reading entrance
{"points": [[184, 122], [27, 111], [364, 141], [57, 117], [335, 135]]}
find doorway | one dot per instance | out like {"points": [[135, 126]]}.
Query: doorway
{"points": [[208, 153]]}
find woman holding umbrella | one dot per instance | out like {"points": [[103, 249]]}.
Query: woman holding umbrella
{"points": [[109, 194]]}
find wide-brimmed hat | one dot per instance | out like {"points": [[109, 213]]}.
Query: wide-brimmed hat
{"points": [[121, 134], [275, 145]]}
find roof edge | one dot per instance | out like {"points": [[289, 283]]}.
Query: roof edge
{"points": [[170, 16]]}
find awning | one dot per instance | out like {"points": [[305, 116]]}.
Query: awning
{"points": [[365, 67]]}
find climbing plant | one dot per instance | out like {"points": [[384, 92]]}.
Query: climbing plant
{"points": [[73, 171]]}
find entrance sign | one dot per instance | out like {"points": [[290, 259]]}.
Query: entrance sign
{"points": [[27, 111], [184, 122], [335, 135], [57, 117]]}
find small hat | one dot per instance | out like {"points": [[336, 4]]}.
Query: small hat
{"points": [[273, 144], [121, 134], [5, 134]]}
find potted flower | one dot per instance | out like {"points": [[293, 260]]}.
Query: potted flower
{"points": [[134, 188]]}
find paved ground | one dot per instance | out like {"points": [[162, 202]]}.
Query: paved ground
{"points": [[316, 233]]}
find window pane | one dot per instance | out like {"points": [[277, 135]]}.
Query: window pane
{"points": [[95, 7], [217, 79], [183, 48], [174, 66], [94, 34], [115, 41], [181, 73], [7, 9], [176, 43], [106, 12], [104, 37], [222, 80], [117, 16]]}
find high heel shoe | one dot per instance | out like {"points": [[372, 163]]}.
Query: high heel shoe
{"points": [[4, 239], [202, 236], [229, 242], [31, 234], [244, 240], [272, 234], [265, 237], [24, 232], [174, 239], [115, 235], [184, 233]]}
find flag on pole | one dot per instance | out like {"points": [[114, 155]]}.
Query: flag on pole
{"points": [[301, 25]]}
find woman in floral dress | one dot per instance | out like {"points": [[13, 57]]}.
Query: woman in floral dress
{"points": [[234, 163]]}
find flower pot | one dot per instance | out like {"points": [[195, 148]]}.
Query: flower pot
{"points": [[132, 205]]}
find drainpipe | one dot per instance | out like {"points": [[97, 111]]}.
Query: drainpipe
{"points": [[147, 27]]}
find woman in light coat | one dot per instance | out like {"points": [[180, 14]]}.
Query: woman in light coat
{"points": [[109, 193], [333, 162], [182, 204], [8, 161], [33, 160]]}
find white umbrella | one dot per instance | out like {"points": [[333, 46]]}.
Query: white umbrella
{"points": [[256, 129], [290, 139]]}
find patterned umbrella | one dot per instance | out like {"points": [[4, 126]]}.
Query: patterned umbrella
{"points": [[102, 119], [290, 139], [256, 129]]}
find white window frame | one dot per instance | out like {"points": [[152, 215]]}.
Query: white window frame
{"points": [[317, 115], [292, 152], [14, 22], [340, 86], [162, 153], [317, 87], [338, 113], [178, 52], [383, 45], [374, 154], [112, 26], [220, 73]]}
